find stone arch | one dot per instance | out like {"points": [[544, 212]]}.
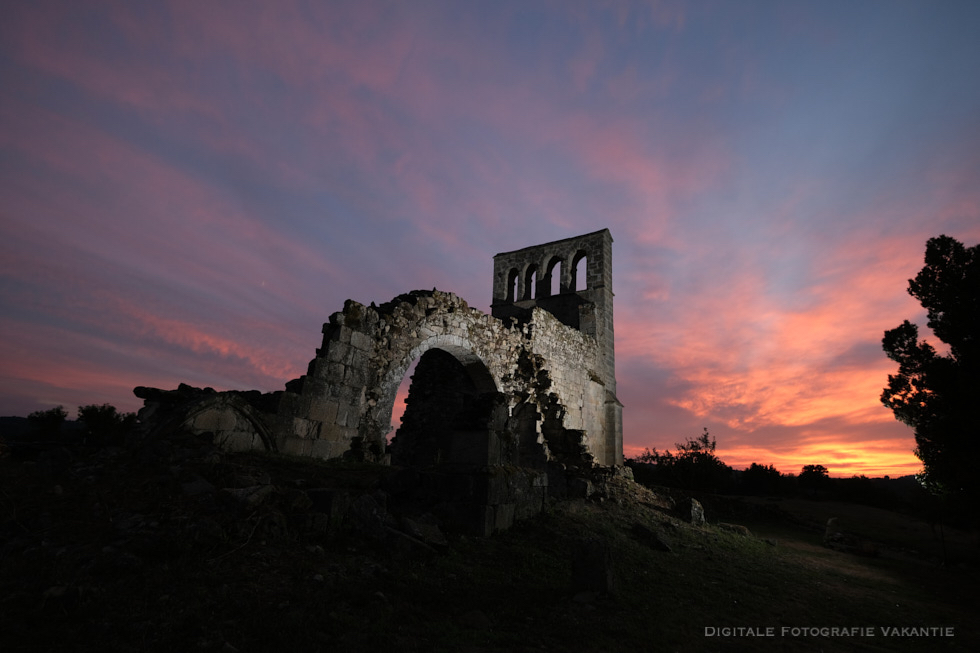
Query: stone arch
{"points": [[577, 284], [453, 414], [531, 281], [555, 264], [463, 351], [233, 421], [344, 402], [343, 405], [513, 287], [229, 418]]}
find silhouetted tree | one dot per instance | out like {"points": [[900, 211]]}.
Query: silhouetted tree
{"points": [[104, 425], [761, 479], [694, 467], [936, 394], [46, 424], [814, 478]]}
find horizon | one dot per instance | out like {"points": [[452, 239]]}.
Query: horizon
{"points": [[187, 194], [627, 458]]}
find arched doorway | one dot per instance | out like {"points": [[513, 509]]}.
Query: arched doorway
{"points": [[453, 414]]}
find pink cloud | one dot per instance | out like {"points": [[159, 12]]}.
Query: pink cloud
{"points": [[128, 205], [45, 366]]}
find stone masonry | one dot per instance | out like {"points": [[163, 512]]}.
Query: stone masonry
{"points": [[503, 408]]}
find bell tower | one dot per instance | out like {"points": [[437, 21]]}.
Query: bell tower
{"points": [[572, 280]]}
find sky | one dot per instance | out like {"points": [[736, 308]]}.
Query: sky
{"points": [[189, 189]]}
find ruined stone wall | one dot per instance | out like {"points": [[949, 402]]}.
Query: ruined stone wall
{"points": [[235, 421], [551, 356], [349, 390], [571, 359], [531, 387], [523, 281], [348, 393]]}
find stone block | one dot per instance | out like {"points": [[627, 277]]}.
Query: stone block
{"points": [[346, 415], [355, 376], [361, 341], [333, 432], [580, 488], [337, 353], [503, 517], [305, 428], [324, 410], [337, 332], [329, 449], [500, 485], [295, 446], [238, 441], [359, 359], [215, 419], [530, 503], [691, 511], [334, 373]]}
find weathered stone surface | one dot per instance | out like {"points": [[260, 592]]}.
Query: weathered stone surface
{"points": [[691, 511], [580, 488]]}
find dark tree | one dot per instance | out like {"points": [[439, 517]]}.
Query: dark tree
{"points": [[104, 425], [761, 479], [936, 394], [694, 467], [814, 478], [47, 423]]}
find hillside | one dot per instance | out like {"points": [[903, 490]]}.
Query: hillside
{"points": [[181, 547]]}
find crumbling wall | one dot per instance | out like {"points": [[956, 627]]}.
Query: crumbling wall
{"points": [[235, 421], [348, 394], [507, 404], [523, 282]]}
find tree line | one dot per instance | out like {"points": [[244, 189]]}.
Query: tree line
{"points": [[695, 467], [98, 425]]}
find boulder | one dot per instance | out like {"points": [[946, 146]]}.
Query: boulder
{"points": [[691, 511], [735, 528]]}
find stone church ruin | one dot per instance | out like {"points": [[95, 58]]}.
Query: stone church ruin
{"points": [[503, 410]]}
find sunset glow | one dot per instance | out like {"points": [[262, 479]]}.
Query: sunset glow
{"points": [[187, 193]]}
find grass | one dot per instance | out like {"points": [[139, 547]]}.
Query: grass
{"points": [[114, 557]]}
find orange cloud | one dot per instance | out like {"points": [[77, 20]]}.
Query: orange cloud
{"points": [[775, 367]]}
